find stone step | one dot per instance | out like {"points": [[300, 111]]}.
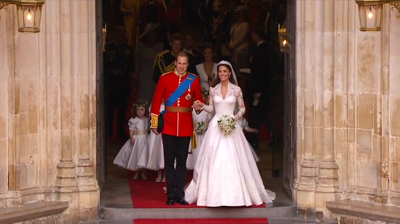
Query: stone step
{"points": [[348, 211], [270, 221], [275, 210], [32, 211]]}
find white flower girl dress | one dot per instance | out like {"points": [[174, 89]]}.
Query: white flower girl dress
{"points": [[200, 123], [131, 155], [156, 149]]}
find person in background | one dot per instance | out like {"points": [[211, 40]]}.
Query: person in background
{"points": [[239, 45], [208, 68], [206, 14], [154, 12], [188, 47], [146, 50], [165, 61], [119, 69], [260, 85], [174, 14]]}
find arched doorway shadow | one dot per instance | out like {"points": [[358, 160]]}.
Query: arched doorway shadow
{"points": [[284, 184]]}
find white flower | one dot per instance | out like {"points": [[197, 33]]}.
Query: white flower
{"points": [[227, 124], [200, 127]]}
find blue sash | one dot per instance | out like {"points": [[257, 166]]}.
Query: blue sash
{"points": [[182, 88]]}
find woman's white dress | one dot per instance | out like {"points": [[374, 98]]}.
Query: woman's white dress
{"points": [[156, 149], [133, 156], [226, 173], [192, 158], [204, 76]]}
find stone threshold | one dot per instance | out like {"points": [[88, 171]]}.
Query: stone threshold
{"points": [[32, 211], [276, 210], [366, 210]]}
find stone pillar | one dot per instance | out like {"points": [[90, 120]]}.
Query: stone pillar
{"points": [[348, 168], [85, 97], [328, 170], [381, 107], [305, 60], [66, 178], [389, 169], [343, 118], [13, 195]]}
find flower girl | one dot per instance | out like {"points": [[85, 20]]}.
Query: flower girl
{"points": [[135, 151], [156, 153], [200, 123]]}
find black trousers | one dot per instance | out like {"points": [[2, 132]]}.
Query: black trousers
{"points": [[117, 90], [120, 102], [121, 118], [175, 148]]}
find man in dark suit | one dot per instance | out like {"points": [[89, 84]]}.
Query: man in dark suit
{"points": [[118, 67], [188, 47], [205, 9], [260, 89]]}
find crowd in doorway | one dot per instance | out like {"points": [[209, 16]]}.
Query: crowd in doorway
{"points": [[143, 37]]}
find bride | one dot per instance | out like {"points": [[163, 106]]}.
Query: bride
{"points": [[226, 173]]}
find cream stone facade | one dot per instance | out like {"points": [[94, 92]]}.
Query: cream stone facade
{"points": [[348, 102], [347, 110], [48, 110]]}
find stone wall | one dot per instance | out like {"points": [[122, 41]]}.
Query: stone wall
{"points": [[48, 109], [348, 107]]}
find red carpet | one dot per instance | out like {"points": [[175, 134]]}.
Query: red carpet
{"points": [[149, 194], [202, 221]]}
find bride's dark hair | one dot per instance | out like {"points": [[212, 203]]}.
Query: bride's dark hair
{"points": [[217, 80]]}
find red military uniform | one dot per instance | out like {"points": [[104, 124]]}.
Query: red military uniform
{"points": [[178, 118]]}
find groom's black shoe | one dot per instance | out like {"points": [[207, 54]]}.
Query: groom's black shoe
{"points": [[170, 201], [181, 201]]}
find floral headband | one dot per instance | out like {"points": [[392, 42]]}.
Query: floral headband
{"points": [[141, 104]]}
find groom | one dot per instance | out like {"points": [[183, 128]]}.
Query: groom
{"points": [[178, 89]]}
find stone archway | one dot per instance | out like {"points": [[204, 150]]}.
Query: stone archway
{"points": [[100, 102], [289, 163], [290, 168]]}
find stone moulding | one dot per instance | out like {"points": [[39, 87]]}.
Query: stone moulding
{"points": [[365, 210], [32, 211]]}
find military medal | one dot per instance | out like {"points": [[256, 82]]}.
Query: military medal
{"points": [[188, 96]]}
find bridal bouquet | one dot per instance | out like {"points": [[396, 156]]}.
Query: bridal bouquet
{"points": [[227, 124], [200, 127]]}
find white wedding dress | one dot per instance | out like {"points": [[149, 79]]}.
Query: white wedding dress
{"points": [[226, 173]]}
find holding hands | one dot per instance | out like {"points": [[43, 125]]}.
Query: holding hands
{"points": [[197, 105]]}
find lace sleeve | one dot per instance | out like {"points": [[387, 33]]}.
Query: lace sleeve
{"points": [[240, 101], [210, 107]]}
